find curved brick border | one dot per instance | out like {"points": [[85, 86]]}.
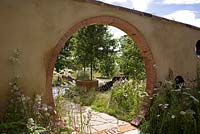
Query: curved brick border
{"points": [[132, 32]]}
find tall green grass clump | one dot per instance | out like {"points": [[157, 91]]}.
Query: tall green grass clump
{"points": [[126, 99]]}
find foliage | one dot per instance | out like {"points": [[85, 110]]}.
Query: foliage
{"points": [[64, 59], [70, 121], [58, 80], [126, 99], [174, 111], [24, 115], [81, 95], [101, 102], [82, 75], [108, 66], [123, 101], [130, 60], [87, 48]]}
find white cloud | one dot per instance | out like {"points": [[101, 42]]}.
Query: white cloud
{"points": [[185, 16], [116, 32], [111, 1], [141, 5], [181, 1]]}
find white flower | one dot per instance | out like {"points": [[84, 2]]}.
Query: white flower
{"points": [[44, 107], [190, 112], [173, 116], [15, 87], [23, 97], [156, 89], [30, 121], [38, 99], [182, 112], [158, 115], [10, 83], [160, 105], [166, 105], [155, 66]]}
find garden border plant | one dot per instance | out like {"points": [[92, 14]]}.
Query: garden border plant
{"points": [[123, 101], [173, 111], [26, 115]]}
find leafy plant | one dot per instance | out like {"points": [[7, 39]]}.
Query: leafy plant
{"points": [[123, 101], [173, 111], [126, 99], [21, 109], [81, 95], [91, 45], [130, 59], [25, 115]]}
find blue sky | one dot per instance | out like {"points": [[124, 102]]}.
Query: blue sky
{"points": [[186, 11]]}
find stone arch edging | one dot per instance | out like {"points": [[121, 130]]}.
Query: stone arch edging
{"points": [[133, 33]]}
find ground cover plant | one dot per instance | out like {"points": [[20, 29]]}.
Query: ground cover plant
{"points": [[30, 115], [81, 95], [123, 101], [127, 98], [173, 111], [24, 114]]}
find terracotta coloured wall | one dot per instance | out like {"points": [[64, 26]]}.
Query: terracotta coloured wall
{"points": [[40, 27]]}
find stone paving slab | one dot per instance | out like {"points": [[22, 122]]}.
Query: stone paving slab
{"points": [[100, 123], [125, 129]]}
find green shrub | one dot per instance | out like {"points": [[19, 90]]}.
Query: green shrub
{"points": [[173, 111], [123, 101], [21, 109], [81, 95], [101, 102], [23, 114], [126, 99]]}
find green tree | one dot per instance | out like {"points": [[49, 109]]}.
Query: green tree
{"points": [[93, 44], [64, 59], [130, 60], [108, 67]]}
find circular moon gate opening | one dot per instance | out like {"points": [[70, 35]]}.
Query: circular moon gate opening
{"points": [[133, 33]]}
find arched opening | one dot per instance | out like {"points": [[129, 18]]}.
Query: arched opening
{"points": [[197, 48], [133, 33]]}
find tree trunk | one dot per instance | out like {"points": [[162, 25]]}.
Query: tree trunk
{"points": [[91, 69], [84, 69]]}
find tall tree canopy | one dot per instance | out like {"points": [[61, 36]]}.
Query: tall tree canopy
{"points": [[88, 47], [65, 59], [130, 60], [93, 44]]}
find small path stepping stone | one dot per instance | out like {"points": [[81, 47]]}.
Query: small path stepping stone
{"points": [[118, 130]]}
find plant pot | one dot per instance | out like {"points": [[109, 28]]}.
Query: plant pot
{"points": [[87, 83]]}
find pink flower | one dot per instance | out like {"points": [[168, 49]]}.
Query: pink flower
{"points": [[76, 128]]}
